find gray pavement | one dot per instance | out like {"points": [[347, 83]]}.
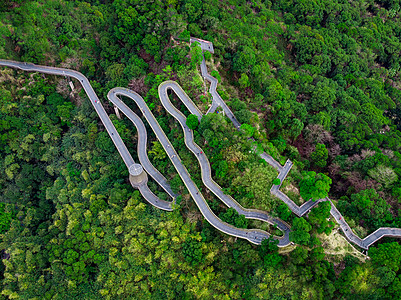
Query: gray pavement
{"points": [[283, 172], [203, 160], [142, 141], [253, 235], [111, 130]]}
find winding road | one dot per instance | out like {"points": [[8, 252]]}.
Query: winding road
{"points": [[284, 170], [255, 236]]}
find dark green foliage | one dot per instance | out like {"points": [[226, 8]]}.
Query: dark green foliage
{"points": [[232, 217], [192, 121], [192, 250], [268, 251], [300, 231], [320, 155], [318, 218], [5, 218]]}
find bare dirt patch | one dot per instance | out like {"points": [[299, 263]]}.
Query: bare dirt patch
{"points": [[293, 193], [138, 85], [287, 249], [337, 247]]}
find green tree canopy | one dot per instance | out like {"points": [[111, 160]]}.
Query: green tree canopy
{"points": [[192, 121], [320, 155], [231, 216], [314, 186], [300, 231]]}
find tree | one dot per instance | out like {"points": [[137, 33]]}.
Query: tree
{"points": [[314, 186], [192, 250], [300, 231], [207, 55], [231, 216], [268, 251], [184, 35], [247, 129], [277, 181], [387, 254], [157, 150], [318, 217], [192, 121], [320, 155], [384, 175], [244, 81]]}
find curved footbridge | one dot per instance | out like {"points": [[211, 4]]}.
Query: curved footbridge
{"points": [[137, 177], [300, 211]]}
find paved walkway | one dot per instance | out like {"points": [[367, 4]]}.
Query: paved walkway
{"points": [[283, 172], [206, 172], [253, 235]]}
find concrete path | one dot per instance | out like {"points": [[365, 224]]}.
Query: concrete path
{"points": [[206, 172], [283, 172], [111, 130], [253, 235]]}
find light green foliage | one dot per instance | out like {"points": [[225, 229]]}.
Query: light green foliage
{"points": [[184, 35], [384, 175], [192, 250], [314, 186], [216, 75], [157, 150], [115, 71], [268, 251], [247, 130], [277, 181], [320, 155], [254, 182], [244, 59], [244, 81]]}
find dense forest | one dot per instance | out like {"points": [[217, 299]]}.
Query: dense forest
{"points": [[317, 82]]}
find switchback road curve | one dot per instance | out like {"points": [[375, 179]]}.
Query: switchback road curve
{"points": [[283, 171], [255, 236]]}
